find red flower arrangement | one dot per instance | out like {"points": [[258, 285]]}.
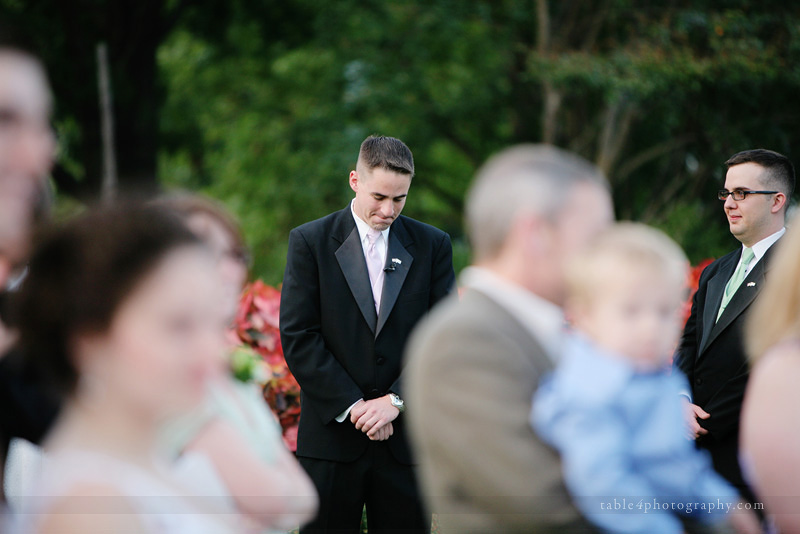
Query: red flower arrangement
{"points": [[692, 281], [256, 327]]}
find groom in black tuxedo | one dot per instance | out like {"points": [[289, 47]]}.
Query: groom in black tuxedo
{"points": [[356, 283], [758, 186]]}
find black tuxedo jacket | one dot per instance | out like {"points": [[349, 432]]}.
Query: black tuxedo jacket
{"points": [[711, 354], [27, 408], [336, 345]]}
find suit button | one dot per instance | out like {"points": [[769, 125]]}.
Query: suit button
{"points": [[380, 361], [698, 381]]}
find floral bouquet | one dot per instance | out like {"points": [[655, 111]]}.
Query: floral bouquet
{"points": [[692, 282], [260, 359]]}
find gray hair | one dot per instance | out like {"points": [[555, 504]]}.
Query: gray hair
{"points": [[532, 179]]}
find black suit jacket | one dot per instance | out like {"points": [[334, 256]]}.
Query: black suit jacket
{"points": [[336, 345], [27, 408], [711, 354]]}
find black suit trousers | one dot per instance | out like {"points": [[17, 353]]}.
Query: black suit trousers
{"points": [[376, 480]]}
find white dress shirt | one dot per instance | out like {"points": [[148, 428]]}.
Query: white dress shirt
{"points": [[761, 248]]}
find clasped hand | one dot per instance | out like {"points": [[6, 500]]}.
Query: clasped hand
{"points": [[693, 413], [374, 417]]}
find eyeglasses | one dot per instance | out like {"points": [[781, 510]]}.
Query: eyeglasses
{"points": [[740, 194]]}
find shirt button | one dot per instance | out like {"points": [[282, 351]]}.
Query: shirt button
{"points": [[698, 381], [380, 361]]}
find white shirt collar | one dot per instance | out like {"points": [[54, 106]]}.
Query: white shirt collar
{"points": [[363, 227], [760, 248], [543, 319]]}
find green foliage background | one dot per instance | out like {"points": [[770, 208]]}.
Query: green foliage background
{"points": [[263, 103]]}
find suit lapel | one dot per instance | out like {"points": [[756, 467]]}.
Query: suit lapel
{"points": [[394, 279], [350, 256], [716, 288], [744, 296]]}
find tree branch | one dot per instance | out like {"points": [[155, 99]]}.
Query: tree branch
{"points": [[543, 26], [552, 97], [598, 19], [566, 25], [552, 103], [645, 156], [619, 116]]}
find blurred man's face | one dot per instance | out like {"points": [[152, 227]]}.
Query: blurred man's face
{"points": [[587, 212], [27, 149], [27, 145]]}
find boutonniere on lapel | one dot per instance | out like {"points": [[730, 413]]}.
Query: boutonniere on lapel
{"points": [[751, 284], [391, 267]]}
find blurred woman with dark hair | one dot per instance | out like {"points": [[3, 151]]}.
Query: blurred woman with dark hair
{"points": [[121, 310], [219, 230], [236, 429]]}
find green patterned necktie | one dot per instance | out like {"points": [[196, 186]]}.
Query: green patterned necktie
{"points": [[736, 280]]}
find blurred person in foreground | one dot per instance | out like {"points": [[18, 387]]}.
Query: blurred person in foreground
{"points": [[122, 313], [27, 150], [235, 429], [475, 363], [356, 283], [770, 431], [758, 186], [611, 408]]}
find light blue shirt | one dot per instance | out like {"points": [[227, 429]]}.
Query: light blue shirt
{"points": [[621, 434]]}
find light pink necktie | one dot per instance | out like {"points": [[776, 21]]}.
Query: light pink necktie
{"points": [[375, 265]]}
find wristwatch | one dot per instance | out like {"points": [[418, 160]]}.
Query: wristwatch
{"points": [[397, 402]]}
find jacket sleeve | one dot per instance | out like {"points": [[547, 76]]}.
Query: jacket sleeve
{"points": [[323, 380], [686, 354]]}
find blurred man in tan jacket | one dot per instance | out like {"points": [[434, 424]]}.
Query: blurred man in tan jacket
{"points": [[474, 364]]}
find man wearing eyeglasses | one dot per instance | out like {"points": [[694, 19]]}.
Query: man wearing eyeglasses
{"points": [[758, 186]]}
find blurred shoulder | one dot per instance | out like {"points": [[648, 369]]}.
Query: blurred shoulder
{"points": [[588, 375], [466, 328]]}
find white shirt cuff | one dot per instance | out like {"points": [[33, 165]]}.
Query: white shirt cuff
{"points": [[685, 393], [342, 416]]}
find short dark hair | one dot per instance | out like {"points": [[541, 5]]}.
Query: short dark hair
{"points": [[386, 153], [779, 171], [81, 272]]}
